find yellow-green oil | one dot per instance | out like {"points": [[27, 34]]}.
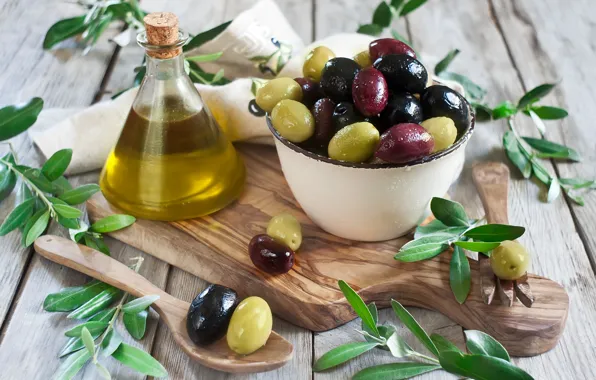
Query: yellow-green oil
{"points": [[171, 163]]}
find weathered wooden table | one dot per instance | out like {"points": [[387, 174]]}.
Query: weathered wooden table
{"points": [[508, 46]]}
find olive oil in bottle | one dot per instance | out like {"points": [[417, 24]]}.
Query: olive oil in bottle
{"points": [[172, 161]]}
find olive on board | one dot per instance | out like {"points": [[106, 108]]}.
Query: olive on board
{"points": [[386, 46], [363, 59], [370, 92], [250, 326], [315, 62], [344, 114], [269, 255], [337, 78], [443, 101], [402, 72], [404, 142], [209, 314], [285, 229], [402, 107], [310, 91], [510, 260], [324, 123], [293, 121], [443, 131], [354, 143], [276, 90]]}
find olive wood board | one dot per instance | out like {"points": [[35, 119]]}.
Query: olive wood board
{"points": [[214, 248]]}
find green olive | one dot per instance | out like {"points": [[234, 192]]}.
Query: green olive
{"points": [[315, 62], [293, 120], [250, 326], [443, 131], [510, 260], [354, 143], [277, 90], [285, 229], [363, 59]]}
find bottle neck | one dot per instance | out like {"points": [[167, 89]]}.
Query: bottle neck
{"points": [[163, 69]]}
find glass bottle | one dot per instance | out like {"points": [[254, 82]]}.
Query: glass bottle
{"points": [[172, 161]]}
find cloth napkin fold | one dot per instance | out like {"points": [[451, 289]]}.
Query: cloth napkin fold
{"points": [[258, 43]]}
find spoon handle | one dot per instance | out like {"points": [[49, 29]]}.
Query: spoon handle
{"points": [[492, 182]]}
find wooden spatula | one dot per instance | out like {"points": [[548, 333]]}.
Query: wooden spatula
{"points": [[172, 311]]}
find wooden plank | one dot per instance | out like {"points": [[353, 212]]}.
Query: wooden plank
{"points": [[551, 234]]}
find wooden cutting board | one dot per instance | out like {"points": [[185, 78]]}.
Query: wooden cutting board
{"points": [[214, 248]]}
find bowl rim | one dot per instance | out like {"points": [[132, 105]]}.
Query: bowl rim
{"points": [[420, 161]]}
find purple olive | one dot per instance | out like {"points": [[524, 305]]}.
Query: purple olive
{"points": [[310, 91], [270, 256], [324, 125], [402, 73], [404, 142], [370, 92], [386, 46]]}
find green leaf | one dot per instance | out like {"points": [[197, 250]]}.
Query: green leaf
{"points": [[550, 149], [96, 243], [482, 111], [110, 343], [219, 74], [385, 331], [575, 197], [548, 113], [409, 321], [92, 327], [449, 212], [8, 179], [370, 29], [411, 6], [75, 344], [88, 341], [60, 186], [206, 36], [421, 252], [535, 95], [446, 61], [481, 367], [541, 173], [514, 153], [538, 123], [554, 190], [483, 344], [67, 211], [120, 11], [72, 365], [70, 223], [459, 275], [63, 30], [69, 299], [382, 15], [477, 246], [103, 372], [395, 371], [504, 110], [16, 119], [95, 304], [17, 217], [112, 223], [136, 324], [139, 360], [56, 165], [443, 344], [437, 237], [205, 57], [578, 183], [38, 179], [359, 307], [495, 232], [375, 315], [473, 91], [398, 346], [342, 354], [38, 228], [436, 227], [104, 315], [30, 222]]}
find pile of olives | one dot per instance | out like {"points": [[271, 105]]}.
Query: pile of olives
{"points": [[376, 107], [216, 311], [274, 252]]}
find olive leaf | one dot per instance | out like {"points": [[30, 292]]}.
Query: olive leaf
{"points": [[38, 179], [103, 372], [538, 122], [495, 232], [549, 149], [484, 344], [8, 179], [504, 110], [72, 365], [420, 252], [473, 91], [92, 327], [110, 343], [443, 344], [205, 57], [206, 36], [516, 156], [63, 30], [136, 323], [60, 185], [554, 190], [382, 15], [38, 228], [56, 165], [17, 217], [67, 211], [449, 212], [535, 95], [76, 343], [69, 299], [548, 112], [446, 61], [408, 320], [359, 306], [139, 360], [395, 371], [459, 275], [370, 29], [112, 223], [95, 304], [16, 119], [477, 246], [411, 6], [139, 304], [88, 341], [342, 354], [398, 347], [30, 223], [481, 367]]}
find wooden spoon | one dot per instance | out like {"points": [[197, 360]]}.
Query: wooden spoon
{"points": [[172, 311]]}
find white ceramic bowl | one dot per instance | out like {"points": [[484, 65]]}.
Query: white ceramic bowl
{"points": [[367, 202]]}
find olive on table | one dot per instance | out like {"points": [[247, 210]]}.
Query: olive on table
{"points": [[337, 78], [402, 72], [277, 90], [310, 91], [385, 46], [344, 114], [354, 143], [363, 59], [402, 107], [269, 255], [370, 92], [443, 131], [324, 122], [293, 121], [404, 142], [209, 314], [510, 260], [285, 229], [315, 62], [441, 100], [250, 326]]}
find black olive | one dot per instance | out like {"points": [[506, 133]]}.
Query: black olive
{"points": [[344, 114], [337, 77], [402, 107], [443, 101], [402, 72], [209, 314]]}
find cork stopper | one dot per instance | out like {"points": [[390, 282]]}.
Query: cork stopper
{"points": [[162, 30]]}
